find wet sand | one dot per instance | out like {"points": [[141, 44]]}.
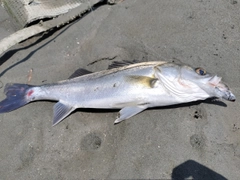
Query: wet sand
{"points": [[199, 140]]}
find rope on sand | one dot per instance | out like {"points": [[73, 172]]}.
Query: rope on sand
{"points": [[57, 22]]}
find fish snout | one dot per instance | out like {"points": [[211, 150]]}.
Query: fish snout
{"points": [[231, 97], [224, 92], [228, 95]]}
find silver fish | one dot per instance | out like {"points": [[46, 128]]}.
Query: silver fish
{"points": [[131, 88]]}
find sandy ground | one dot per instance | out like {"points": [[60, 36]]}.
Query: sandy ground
{"points": [[198, 140]]}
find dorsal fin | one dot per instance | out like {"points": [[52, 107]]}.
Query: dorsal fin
{"points": [[79, 72], [117, 64]]}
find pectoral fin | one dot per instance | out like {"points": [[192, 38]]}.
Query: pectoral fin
{"points": [[128, 112], [61, 111], [143, 80]]}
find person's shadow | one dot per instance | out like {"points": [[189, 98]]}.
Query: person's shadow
{"points": [[195, 171]]}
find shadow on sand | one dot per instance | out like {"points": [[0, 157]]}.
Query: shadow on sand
{"points": [[195, 171]]}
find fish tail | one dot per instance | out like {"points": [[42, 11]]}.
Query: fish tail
{"points": [[18, 95]]}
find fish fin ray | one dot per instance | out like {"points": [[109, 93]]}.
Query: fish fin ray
{"points": [[128, 112], [80, 72], [117, 64], [16, 97], [61, 111]]}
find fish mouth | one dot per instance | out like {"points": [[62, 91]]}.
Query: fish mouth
{"points": [[215, 80]]}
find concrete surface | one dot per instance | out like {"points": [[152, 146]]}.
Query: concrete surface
{"points": [[197, 140]]}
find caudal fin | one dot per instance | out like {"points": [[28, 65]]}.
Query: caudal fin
{"points": [[16, 97]]}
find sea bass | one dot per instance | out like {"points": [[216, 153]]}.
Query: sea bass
{"points": [[129, 87]]}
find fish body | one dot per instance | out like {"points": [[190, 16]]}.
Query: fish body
{"points": [[131, 88]]}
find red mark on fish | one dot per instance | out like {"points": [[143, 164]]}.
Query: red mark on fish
{"points": [[30, 93]]}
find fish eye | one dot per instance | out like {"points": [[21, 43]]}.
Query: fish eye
{"points": [[200, 71]]}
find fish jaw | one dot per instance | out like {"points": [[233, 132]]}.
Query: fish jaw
{"points": [[223, 91], [214, 87]]}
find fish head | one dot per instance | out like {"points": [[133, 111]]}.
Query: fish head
{"points": [[195, 82], [210, 83]]}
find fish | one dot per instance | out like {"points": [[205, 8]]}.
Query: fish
{"points": [[131, 87]]}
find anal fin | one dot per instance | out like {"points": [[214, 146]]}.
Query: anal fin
{"points": [[61, 111], [128, 112]]}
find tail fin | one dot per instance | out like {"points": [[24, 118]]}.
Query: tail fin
{"points": [[16, 97]]}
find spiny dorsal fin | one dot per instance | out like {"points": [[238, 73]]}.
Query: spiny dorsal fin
{"points": [[143, 80], [117, 64], [79, 72]]}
